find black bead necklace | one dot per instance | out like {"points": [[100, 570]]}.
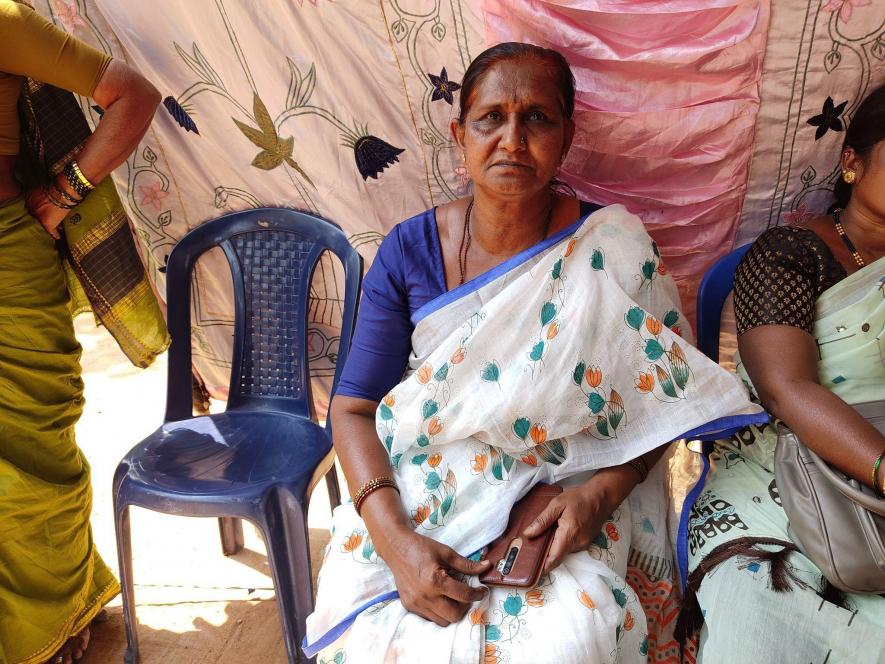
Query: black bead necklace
{"points": [[847, 240], [465, 236]]}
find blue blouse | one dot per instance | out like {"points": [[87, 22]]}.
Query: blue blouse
{"points": [[406, 274]]}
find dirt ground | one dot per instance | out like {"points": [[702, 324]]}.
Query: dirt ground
{"points": [[194, 605]]}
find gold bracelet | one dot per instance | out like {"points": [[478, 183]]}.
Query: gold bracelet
{"points": [[372, 485], [82, 178]]}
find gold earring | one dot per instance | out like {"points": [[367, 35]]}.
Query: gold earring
{"points": [[463, 157], [849, 176]]}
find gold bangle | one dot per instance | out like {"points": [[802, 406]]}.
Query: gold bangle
{"points": [[82, 178], [372, 485]]}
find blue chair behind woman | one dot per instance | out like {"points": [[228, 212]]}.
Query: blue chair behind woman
{"points": [[717, 283], [259, 459]]}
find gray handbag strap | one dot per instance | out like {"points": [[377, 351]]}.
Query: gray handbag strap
{"points": [[874, 412]]}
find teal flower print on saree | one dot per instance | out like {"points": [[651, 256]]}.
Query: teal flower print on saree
{"points": [[668, 373], [606, 410]]}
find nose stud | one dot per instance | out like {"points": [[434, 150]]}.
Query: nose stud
{"points": [[522, 140]]}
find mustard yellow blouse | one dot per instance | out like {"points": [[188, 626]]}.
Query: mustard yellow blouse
{"points": [[31, 46]]}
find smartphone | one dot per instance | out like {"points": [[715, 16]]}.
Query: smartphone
{"points": [[517, 561]]}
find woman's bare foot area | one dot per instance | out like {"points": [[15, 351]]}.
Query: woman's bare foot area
{"points": [[73, 649]]}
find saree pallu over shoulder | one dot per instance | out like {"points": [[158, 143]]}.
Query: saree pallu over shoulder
{"points": [[849, 330], [561, 361], [849, 327], [104, 270]]}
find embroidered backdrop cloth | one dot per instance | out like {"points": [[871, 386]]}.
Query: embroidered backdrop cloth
{"points": [[711, 119]]}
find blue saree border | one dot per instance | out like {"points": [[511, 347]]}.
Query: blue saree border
{"points": [[490, 275], [682, 533], [724, 427], [327, 639]]}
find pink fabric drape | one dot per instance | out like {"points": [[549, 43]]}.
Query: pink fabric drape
{"points": [[667, 97]]}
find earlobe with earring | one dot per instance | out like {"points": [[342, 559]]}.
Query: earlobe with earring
{"points": [[849, 175]]}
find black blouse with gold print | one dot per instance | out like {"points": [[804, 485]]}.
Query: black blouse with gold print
{"points": [[781, 277]]}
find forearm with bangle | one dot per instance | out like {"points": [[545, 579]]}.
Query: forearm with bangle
{"points": [[878, 476], [643, 464], [69, 188]]}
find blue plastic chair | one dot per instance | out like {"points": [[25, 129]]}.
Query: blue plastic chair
{"points": [[260, 458], [712, 293]]}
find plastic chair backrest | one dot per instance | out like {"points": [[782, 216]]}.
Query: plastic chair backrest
{"points": [[712, 293], [272, 254]]}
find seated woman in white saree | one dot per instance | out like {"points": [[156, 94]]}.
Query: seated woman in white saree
{"points": [[540, 343], [810, 312]]}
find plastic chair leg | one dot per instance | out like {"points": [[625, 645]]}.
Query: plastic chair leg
{"points": [[288, 551], [231, 530], [332, 487], [124, 558]]}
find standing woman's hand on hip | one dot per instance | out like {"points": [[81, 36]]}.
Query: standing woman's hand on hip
{"points": [[49, 215]]}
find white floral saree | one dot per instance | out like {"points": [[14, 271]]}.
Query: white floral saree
{"points": [[562, 360]]}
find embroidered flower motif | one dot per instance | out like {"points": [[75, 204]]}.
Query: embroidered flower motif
{"points": [[352, 541], [420, 514], [490, 655], [479, 463], [653, 325], [828, 118], [585, 600], [645, 382], [593, 376], [513, 605], [153, 195], [798, 216], [844, 7], [662, 269], [457, 356], [434, 427], [180, 115], [425, 373], [612, 531], [373, 155], [552, 331], [570, 247], [389, 400], [628, 621], [477, 617], [538, 433], [534, 598], [530, 459], [443, 87], [68, 15], [433, 460]]}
